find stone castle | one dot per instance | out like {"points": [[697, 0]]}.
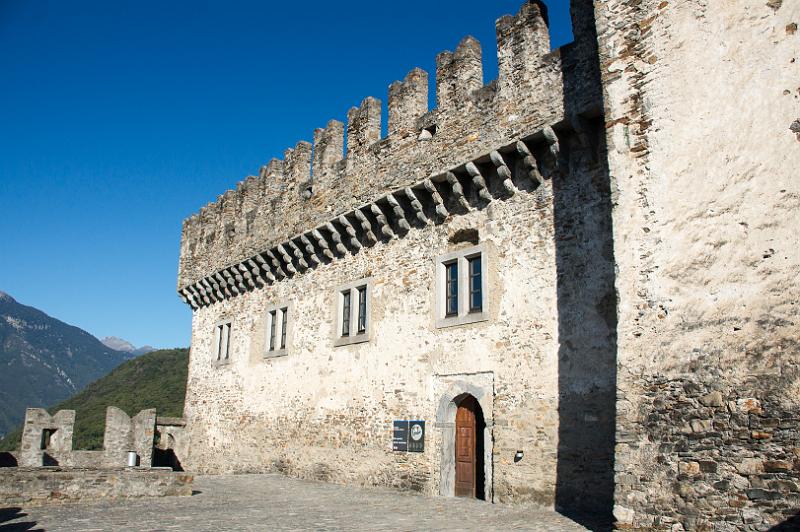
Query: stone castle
{"points": [[576, 285]]}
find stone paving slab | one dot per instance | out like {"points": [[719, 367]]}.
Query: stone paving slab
{"points": [[273, 502]]}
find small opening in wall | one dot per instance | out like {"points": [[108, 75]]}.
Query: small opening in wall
{"points": [[308, 192], [465, 235], [427, 133], [47, 436]]}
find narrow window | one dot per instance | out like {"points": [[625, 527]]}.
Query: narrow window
{"points": [[362, 309], [451, 288], [219, 341], [346, 313], [284, 319], [273, 318], [227, 340], [475, 285]]}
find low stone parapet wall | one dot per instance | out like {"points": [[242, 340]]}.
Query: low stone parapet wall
{"points": [[22, 485]]}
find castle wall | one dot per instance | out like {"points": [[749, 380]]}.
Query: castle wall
{"points": [[700, 98], [518, 166], [326, 412]]}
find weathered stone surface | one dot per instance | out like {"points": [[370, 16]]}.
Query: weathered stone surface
{"points": [[31, 486]]}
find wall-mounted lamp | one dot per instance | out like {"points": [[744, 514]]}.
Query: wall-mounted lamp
{"points": [[518, 456]]}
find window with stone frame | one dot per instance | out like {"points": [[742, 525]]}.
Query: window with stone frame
{"points": [[278, 326], [222, 341], [353, 307], [461, 287]]}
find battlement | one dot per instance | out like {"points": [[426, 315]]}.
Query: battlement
{"points": [[311, 186]]}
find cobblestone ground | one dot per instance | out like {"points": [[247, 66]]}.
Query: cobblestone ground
{"points": [[272, 502]]}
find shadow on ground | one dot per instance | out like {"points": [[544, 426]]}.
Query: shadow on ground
{"points": [[12, 514]]}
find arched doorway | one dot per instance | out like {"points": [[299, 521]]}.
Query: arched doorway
{"points": [[474, 393], [470, 478]]}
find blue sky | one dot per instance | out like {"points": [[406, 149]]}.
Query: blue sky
{"points": [[119, 119]]}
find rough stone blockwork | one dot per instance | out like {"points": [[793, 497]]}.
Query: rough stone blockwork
{"points": [[699, 99], [32, 486]]}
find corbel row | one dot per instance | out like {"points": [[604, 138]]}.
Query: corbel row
{"points": [[500, 174]]}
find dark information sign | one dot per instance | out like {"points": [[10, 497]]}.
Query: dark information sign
{"points": [[408, 436], [400, 436], [416, 436]]}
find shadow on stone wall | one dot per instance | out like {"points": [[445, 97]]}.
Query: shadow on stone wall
{"points": [[793, 523], [587, 301]]}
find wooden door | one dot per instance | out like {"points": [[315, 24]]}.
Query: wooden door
{"points": [[465, 448]]}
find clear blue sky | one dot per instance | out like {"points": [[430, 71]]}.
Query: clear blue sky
{"points": [[118, 119]]}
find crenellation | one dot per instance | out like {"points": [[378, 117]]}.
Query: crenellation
{"points": [[363, 127], [318, 183], [458, 75], [408, 101], [523, 43], [328, 154]]}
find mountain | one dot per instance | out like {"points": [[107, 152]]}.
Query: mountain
{"points": [[118, 344], [155, 380], [44, 360]]}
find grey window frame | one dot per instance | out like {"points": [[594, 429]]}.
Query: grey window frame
{"points": [[464, 316], [223, 331], [353, 336], [278, 329]]}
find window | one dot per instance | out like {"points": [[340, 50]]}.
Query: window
{"points": [[362, 310], [284, 320], [461, 287], [273, 321], [475, 284], [277, 330], [346, 313], [353, 308], [222, 341], [451, 288]]}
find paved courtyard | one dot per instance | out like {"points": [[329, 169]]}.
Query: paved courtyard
{"points": [[272, 502]]}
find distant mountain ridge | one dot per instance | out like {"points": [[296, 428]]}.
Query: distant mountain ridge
{"points": [[44, 360], [118, 344]]}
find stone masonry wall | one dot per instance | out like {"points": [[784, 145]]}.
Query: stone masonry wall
{"points": [[700, 98], [326, 412], [31, 486]]}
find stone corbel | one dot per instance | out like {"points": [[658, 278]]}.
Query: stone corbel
{"points": [[351, 232], [398, 212], [287, 259], [322, 243], [458, 190], [529, 163], [386, 229], [298, 253], [441, 210], [416, 205], [337, 239], [266, 268], [310, 250], [503, 172], [366, 226], [479, 182], [276, 264]]}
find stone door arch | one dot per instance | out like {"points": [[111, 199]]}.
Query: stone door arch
{"points": [[446, 426]]}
